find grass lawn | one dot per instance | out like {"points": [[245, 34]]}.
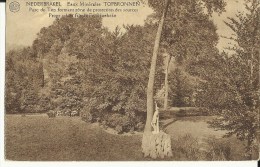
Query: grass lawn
{"points": [[196, 126], [39, 138]]}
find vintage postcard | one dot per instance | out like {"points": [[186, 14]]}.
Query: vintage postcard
{"points": [[132, 80]]}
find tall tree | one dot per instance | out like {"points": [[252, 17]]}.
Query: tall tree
{"points": [[163, 7], [24, 77], [150, 87], [246, 26], [147, 145], [232, 90]]}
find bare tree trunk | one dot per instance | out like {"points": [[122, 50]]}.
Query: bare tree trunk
{"points": [[258, 110], [251, 68], [149, 146], [150, 87], [168, 59]]}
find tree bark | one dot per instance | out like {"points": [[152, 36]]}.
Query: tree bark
{"points": [[166, 85], [150, 87], [258, 110], [251, 68]]}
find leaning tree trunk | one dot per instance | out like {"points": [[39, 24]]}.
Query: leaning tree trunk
{"points": [[167, 62], [258, 111], [155, 145]]}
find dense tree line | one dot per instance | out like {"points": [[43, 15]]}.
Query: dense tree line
{"points": [[85, 68]]}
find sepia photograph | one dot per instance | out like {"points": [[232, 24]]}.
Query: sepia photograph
{"points": [[132, 80]]}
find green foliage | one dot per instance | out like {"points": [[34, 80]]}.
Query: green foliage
{"points": [[218, 150], [89, 69], [188, 32], [181, 89], [228, 149], [121, 122], [113, 69], [188, 35], [232, 91], [124, 122], [24, 78], [55, 37], [117, 78], [186, 147], [211, 5], [90, 114]]}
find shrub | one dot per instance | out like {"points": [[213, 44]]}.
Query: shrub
{"points": [[211, 149], [227, 149], [120, 121], [44, 104], [128, 122], [218, 150], [187, 147], [90, 114]]}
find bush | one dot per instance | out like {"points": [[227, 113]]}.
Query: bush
{"points": [[116, 121], [90, 114], [211, 149], [217, 150], [44, 104], [120, 122], [187, 147], [227, 149], [128, 122]]}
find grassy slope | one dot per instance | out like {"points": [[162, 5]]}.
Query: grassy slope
{"points": [[63, 138]]}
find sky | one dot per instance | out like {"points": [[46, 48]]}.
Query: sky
{"points": [[232, 8], [23, 26]]}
